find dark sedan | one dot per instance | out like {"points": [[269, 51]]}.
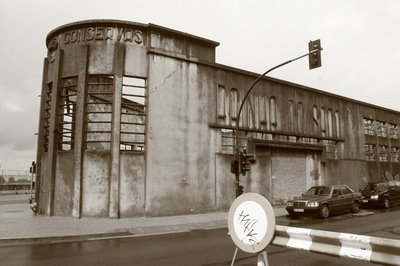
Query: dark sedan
{"points": [[381, 193], [324, 200]]}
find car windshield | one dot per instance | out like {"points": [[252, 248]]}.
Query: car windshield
{"points": [[318, 191], [376, 187]]}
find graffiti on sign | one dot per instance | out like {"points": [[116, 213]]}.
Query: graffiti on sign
{"points": [[251, 222]]}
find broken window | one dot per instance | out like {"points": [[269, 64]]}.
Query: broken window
{"points": [[393, 131], [67, 105], [133, 114], [381, 128], [331, 149], [394, 154], [99, 112], [369, 152], [368, 126], [382, 153]]}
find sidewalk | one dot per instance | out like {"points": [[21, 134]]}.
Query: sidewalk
{"points": [[20, 225]]}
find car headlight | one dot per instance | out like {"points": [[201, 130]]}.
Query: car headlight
{"points": [[290, 204], [374, 197], [312, 204]]}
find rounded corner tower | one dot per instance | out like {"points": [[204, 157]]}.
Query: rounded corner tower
{"points": [[103, 98]]}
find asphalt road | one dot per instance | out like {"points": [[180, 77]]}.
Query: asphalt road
{"points": [[202, 247]]}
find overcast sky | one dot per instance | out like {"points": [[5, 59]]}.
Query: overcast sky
{"points": [[361, 41]]}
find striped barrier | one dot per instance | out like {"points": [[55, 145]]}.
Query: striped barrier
{"points": [[368, 248]]}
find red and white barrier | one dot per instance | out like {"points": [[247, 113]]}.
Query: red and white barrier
{"points": [[368, 248]]}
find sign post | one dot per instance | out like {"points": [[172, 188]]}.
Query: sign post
{"points": [[251, 224]]}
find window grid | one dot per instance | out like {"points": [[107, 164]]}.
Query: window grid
{"points": [[331, 149], [393, 131], [381, 129], [394, 154], [368, 126], [47, 110], [67, 114], [133, 114], [383, 153], [369, 152], [99, 112]]}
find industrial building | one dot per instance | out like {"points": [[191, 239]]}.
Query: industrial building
{"points": [[138, 120]]}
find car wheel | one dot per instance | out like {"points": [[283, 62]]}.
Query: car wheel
{"points": [[324, 211], [386, 203], [355, 207]]}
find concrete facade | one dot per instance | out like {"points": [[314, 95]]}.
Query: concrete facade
{"points": [[137, 120]]}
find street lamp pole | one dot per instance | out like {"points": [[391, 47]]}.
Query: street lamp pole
{"points": [[237, 149]]}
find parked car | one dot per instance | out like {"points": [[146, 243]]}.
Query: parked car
{"points": [[324, 200], [381, 193]]}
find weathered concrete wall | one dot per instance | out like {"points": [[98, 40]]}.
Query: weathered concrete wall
{"points": [[178, 147], [64, 184], [45, 189], [352, 173], [259, 178], [95, 183], [132, 184], [176, 44], [225, 182]]}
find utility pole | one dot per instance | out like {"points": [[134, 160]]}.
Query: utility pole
{"points": [[314, 54]]}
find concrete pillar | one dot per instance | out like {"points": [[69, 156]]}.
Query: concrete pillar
{"points": [[40, 132], [119, 56], [79, 132], [53, 127]]}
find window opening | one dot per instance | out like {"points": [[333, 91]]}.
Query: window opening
{"points": [[337, 120], [368, 126], [369, 152], [47, 111], [331, 149], [394, 154], [133, 114], [323, 122], [99, 112], [67, 114], [234, 103], [393, 131], [382, 153], [381, 128], [273, 113], [221, 102], [330, 123]]}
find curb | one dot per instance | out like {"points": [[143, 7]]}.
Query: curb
{"points": [[117, 233]]}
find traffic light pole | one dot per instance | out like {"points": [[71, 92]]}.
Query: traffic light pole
{"points": [[237, 149]]}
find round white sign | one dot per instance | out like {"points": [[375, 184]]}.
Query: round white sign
{"points": [[251, 222]]}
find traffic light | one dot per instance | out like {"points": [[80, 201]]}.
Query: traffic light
{"points": [[314, 58], [32, 169], [239, 190], [235, 166], [244, 162]]}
